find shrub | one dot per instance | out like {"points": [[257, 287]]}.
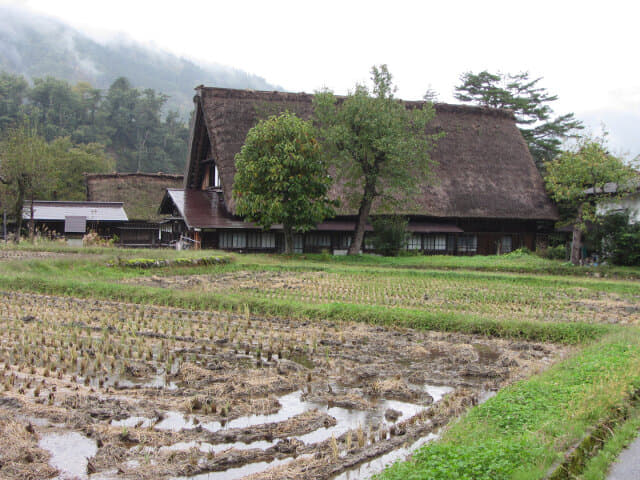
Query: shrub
{"points": [[92, 239], [559, 252], [614, 238], [520, 252], [389, 235], [178, 262]]}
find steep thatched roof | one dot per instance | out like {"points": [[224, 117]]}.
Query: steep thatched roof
{"points": [[141, 193], [484, 168]]}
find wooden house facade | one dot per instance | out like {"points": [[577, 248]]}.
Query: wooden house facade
{"points": [[72, 220], [486, 197]]}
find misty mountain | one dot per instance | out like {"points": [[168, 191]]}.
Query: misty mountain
{"points": [[38, 46]]}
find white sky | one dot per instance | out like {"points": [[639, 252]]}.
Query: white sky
{"points": [[586, 51]]}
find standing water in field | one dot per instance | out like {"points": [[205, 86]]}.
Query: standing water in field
{"points": [[70, 452]]}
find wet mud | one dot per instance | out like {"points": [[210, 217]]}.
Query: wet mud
{"points": [[160, 393]]}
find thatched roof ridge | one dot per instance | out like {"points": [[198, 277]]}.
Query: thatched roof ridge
{"points": [[484, 167], [159, 175], [302, 97]]}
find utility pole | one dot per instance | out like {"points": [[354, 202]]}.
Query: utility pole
{"points": [[4, 224]]}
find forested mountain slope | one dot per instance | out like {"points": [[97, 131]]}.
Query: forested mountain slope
{"points": [[37, 46]]}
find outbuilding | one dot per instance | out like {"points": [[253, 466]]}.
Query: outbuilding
{"points": [[140, 193], [72, 220]]}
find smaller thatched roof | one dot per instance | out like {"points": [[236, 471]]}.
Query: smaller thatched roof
{"points": [[141, 193]]}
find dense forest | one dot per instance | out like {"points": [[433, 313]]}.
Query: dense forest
{"points": [[37, 46], [133, 100], [127, 121]]}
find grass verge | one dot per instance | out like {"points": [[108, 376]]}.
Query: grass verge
{"points": [[598, 466], [568, 333], [515, 262], [525, 428]]}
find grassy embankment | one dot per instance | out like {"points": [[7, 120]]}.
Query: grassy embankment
{"points": [[496, 304], [528, 427], [524, 430]]}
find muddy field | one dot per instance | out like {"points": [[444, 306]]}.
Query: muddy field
{"points": [[111, 390], [498, 299]]}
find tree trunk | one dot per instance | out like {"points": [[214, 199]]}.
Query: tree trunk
{"points": [[32, 223], [18, 212], [363, 216], [288, 239], [576, 241]]}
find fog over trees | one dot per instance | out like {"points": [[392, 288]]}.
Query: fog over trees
{"points": [[37, 46]]}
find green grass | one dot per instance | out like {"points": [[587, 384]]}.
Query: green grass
{"points": [[598, 466], [522, 431], [488, 305], [515, 262]]}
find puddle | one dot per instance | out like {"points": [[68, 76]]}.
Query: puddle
{"points": [[118, 381], [302, 359], [175, 421], [131, 422], [293, 405], [437, 391], [220, 447], [368, 469], [241, 472], [69, 453], [352, 419]]}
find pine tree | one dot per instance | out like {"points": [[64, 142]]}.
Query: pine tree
{"points": [[530, 103]]}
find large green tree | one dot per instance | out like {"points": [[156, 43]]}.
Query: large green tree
{"points": [[69, 162], [576, 177], [140, 138], [281, 177], [13, 91], [33, 169], [379, 147], [131, 123], [531, 105], [55, 106], [24, 171]]}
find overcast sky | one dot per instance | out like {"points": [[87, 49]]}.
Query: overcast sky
{"points": [[586, 51]]}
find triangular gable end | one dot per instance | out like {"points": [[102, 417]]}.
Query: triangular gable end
{"points": [[200, 148]]}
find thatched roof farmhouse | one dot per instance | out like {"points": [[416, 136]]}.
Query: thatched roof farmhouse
{"points": [[487, 194], [141, 193]]}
